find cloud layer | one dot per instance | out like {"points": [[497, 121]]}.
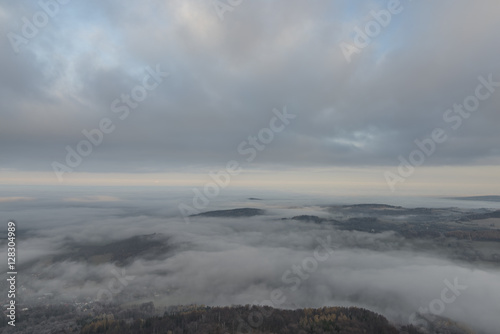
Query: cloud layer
{"points": [[224, 261], [226, 76]]}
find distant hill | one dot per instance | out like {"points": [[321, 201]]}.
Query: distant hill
{"points": [[491, 198], [373, 206], [309, 218], [120, 252], [479, 216], [240, 212]]}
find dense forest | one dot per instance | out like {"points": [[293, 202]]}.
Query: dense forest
{"points": [[201, 319], [251, 320]]}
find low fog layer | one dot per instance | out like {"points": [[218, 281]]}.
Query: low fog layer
{"points": [[225, 261]]}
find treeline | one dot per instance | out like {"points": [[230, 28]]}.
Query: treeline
{"points": [[113, 319], [245, 319]]}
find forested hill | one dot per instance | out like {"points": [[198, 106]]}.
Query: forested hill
{"points": [[255, 320]]}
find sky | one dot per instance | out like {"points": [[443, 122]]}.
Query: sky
{"points": [[165, 92]]}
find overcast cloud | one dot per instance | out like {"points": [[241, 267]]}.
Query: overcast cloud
{"points": [[226, 76]]}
